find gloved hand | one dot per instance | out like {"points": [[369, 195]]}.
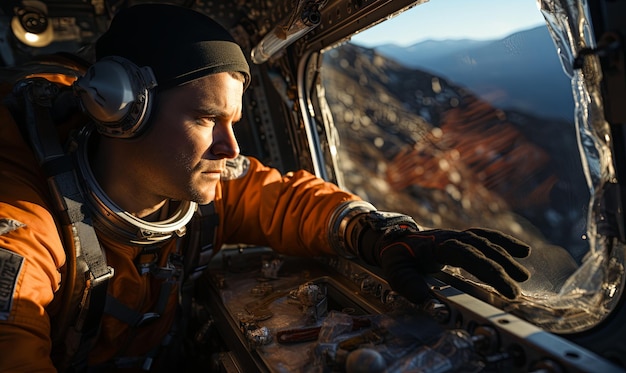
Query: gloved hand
{"points": [[405, 254]]}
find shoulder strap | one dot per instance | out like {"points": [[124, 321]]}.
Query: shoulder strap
{"points": [[200, 248], [86, 266]]}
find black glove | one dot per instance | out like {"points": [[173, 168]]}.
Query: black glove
{"points": [[485, 253], [405, 254]]}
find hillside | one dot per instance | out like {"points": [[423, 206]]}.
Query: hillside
{"points": [[458, 158]]}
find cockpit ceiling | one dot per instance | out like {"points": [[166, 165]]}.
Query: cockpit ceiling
{"points": [[78, 23]]}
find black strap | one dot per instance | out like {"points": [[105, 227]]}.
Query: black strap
{"points": [[199, 250], [38, 97]]}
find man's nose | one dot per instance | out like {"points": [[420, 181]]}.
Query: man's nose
{"points": [[225, 143]]}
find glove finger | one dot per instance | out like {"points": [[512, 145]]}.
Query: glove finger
{"points": [[492, 251], [461, 255], [512, 245]]}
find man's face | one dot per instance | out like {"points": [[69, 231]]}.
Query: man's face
{"points": [[183, 152]]}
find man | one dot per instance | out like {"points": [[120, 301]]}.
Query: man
{"points": [[148, 166]]}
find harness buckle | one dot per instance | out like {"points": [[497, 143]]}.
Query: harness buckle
{"points": [[95, 281], [148, 318]]}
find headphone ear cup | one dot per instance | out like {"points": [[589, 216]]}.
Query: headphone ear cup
{"points": [[117, 95]]}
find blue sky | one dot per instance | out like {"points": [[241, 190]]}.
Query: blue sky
{"points": [[454, 19]]}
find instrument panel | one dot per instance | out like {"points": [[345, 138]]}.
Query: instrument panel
{"points": [[283, 314]]}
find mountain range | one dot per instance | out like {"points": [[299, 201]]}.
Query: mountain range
{"points": [[522, 71]]}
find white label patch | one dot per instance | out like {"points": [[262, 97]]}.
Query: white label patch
{"points": [[10, 267], [9, 225]]}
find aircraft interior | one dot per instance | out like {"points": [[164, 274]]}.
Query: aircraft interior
{"points": [[523, 133]]}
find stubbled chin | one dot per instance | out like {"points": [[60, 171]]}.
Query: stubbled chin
{"points": [[204, 198], [205, 193]]}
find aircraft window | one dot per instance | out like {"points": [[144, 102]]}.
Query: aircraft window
{"points": [[474, 131]]}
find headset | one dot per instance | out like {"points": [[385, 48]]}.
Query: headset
{"points": [[117, 95]]}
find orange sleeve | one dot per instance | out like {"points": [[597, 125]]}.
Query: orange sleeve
{"points": [[31, 256], [289, 213]]}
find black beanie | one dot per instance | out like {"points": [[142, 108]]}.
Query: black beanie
{"points": [[179, 44]]}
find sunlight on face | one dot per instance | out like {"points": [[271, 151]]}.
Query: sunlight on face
{"points": [[183, 152]]}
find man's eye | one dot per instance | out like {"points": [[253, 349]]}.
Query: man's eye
{"points": [[206, 121]]}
